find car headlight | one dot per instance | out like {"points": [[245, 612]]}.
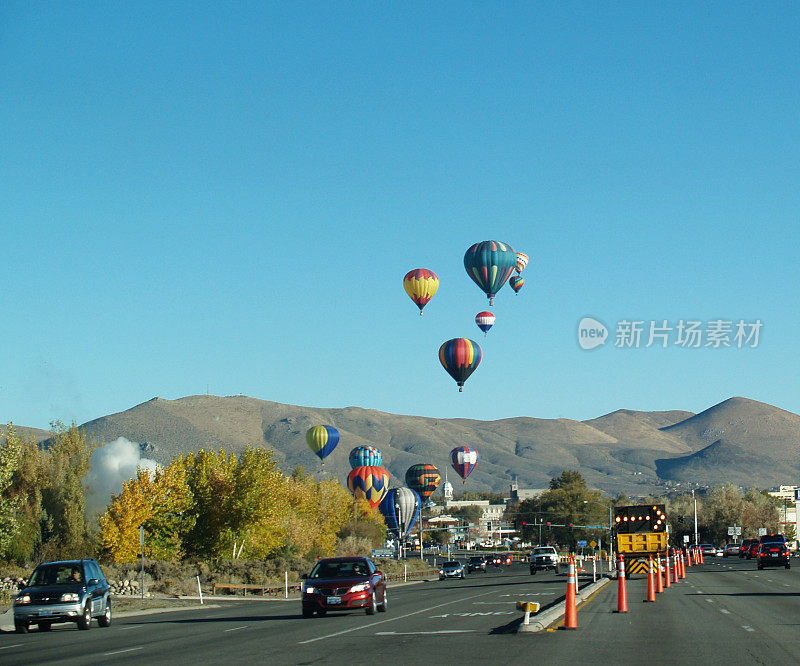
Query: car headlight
{"points": [[70, 596], [441, 571], [309, 589], [360, 587], [22, 600]]}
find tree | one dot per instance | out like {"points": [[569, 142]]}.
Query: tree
{"points": [[10, 454]]}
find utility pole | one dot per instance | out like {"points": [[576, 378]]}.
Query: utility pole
{"points": [[696, 537]]}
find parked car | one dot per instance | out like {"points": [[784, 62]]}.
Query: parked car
{"points": [[65, 591], [343, 584], [731, 549], [451, 569], [476, 564], [744, 549], [544, 557], [773, 554]]}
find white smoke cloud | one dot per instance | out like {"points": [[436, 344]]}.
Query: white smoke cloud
{"points": [[109, 467]]}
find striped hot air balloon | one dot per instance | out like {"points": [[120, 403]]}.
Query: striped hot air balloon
{"points": [[368, 483], [420, 285], [322, 440], [365, 455], [424, 478], [400, 509], [489, 264], [516, 283], [484, 320], [459, 357], [464, 460], [522, 261]]}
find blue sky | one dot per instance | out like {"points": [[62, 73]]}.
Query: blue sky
{"points": [[226, 196]]}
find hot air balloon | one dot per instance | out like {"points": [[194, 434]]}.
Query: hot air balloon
{"points": [[365, 456], [484, 320], [421, 284], [464, 459], [322, 440], [516, 283], [368, 483], [424, 478], [522, 261], [460, 357], [490, 264], [400, 509]]}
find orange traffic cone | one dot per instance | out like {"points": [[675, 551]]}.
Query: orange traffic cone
{"points": [[651, 584], [681, 565], [702, 559], [659, 579], [689, 557], [675, 566], [697, 556], [667, 573], [622, 593], [571, 612]]}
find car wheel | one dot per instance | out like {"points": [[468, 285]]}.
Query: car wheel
{"points": [[462, 576], [85, 620], [45, 626], [21, 626], [384, 605], [788, 565], [322, 612], [555, 569], [308, 612], [373, 606], [759, 567], [105, 619], [533, 572]]}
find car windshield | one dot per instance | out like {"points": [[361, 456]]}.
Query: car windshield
{"points": [[476, 559], [56, 574], [543, 551], [453, 563], [349, 569]]}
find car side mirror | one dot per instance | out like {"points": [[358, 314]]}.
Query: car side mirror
{"points": [[93, 581], [303, 576], [378, 573]]}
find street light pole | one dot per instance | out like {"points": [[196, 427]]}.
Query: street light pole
{"points": [[696, 537], [610, 527]]}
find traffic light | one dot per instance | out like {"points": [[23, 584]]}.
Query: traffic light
{"points": [[549, 525], [570, 527]]}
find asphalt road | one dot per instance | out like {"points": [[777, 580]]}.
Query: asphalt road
{"points": [[724, 612]]}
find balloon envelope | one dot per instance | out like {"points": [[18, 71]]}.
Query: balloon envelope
{"points": [[490, 264], [369, 483], [516, 283], [460, 357], [400, 509], [420, 285], [322, 440], [464, 460], [484, 320], [366, 455], [522, 261], [424, 478]]}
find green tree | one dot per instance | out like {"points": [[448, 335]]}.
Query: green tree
{"points": [[10, 454]]}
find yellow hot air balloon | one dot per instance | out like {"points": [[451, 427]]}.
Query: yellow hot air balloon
{"points": [[522, 261], [420, 284]]}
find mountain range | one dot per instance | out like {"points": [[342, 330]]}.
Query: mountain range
{"points": [[739, 440]]}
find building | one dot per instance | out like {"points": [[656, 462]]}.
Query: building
{"points": [[517, 494], [787, 510]]}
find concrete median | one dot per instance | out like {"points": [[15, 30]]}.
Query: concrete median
{"points": [[553, 614]]}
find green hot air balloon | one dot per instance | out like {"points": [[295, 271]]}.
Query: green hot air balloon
{"points": [[424, 478]]}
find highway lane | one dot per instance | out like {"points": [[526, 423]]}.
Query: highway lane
{"points": [[439, 613], [725, 611]]}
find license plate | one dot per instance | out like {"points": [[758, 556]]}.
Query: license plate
{"points": [[334, 600], [773, 554], [45, 612]]}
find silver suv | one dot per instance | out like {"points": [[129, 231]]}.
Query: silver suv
{"points": [[69, 591], [544, 557]]}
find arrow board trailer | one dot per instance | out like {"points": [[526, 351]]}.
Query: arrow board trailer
{"points": [[641, 532]]}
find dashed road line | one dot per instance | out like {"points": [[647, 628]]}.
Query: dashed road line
{"points": [[747, 628], [133, 649], [723, 610], [8, 647], [237, 628], [424, 633]]}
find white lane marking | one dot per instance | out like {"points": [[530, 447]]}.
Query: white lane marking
{"points": [[722, 610], [746, 628], [130, 626], [8, 647], [108, 654], [699, 591], [392, 619], [711, 601], [423, 633], [237, 628], [495, 603]]}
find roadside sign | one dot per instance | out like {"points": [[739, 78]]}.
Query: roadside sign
{"points": [[685, 538], [797, 494], [731, 531], [382, 552], [738, 531], [762, 531], [593, 544], [582, 544]]}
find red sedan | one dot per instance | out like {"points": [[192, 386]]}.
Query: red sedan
{"points": [[343, 584]]}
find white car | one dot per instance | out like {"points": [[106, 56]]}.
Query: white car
{"points": [[544, 557]]}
